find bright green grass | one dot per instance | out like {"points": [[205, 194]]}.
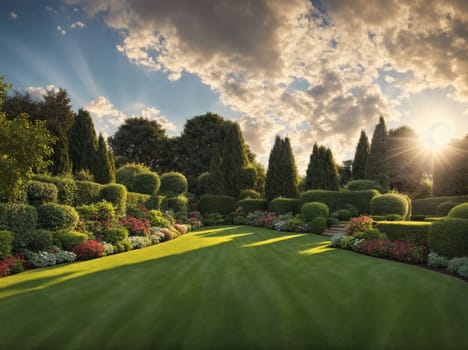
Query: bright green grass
{"points": [[234, 287]]}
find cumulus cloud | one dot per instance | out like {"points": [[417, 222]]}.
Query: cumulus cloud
{"points": [[13, 15], [251, 51], [61, 30], [39, 92], [102, 108], [152, 113], [77, 24]]}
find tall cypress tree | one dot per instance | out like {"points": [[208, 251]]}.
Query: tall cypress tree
{"points": [[322, 172], [216, 180], [273, 183], [376, 164], [330, 172], [103, 170], [361, 156], [83, 142], [290, 177], [234, 158], [312, 172]]}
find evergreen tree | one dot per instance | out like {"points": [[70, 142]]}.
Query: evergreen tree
{"points": [[345, 172], [103, 171], [290, 177], [216, 181], [331, 172], [60, 159], [376, 164], [360, 158], [312, 173], [83, 142], [322, 172]]}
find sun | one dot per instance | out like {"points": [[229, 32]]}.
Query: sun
{"points": [[437, 135]]}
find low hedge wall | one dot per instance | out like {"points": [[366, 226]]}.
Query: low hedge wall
{"points": [[283, 205], [428, 206], [449, 237], [339, 200], [216, 204], [406, 230], [251, 205]]}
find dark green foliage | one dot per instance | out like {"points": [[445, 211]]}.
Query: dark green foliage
{"points": [[248, 177], [41, 192], [213, 219], [57, 217], [216, 204], [6, 243], [143, 141], [345, 173], [83, 142], [360, 157], [331, 221], [125, 175], [390, 203], [251, 205], [379, 218], [318, 225], [84, 175], [246, 194], [444, 208], [135, 200], [67, 239], [418, 217], [115, 194], [175, 204], [423, 190], [406, 230], [154, 202], [114, 235], [216, 183], [322, 173], [40, 240], [281, 178], [173, 184], [239, 220], [337, 200], [428, 206], [282, 205], [341, 214], [146, 183], [314, 209], [19, 218], [362, 185], [192, 201], [394, 217], [460, 211], [203, 183], [66, 190], [352, 209], [104, 171], [60, 159], [449, 237], [451, 169], [87, 192], [376, 168]]}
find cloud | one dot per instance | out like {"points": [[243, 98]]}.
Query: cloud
{"points": [[61, 30], [77, 24], [250, 53], [13, 15], [152, 113], [102, 108], [39, 92]]}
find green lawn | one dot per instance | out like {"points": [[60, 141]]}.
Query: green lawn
{"points": [[234, 287]]}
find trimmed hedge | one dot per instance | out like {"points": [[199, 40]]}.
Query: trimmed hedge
{"points": [[428, 206], [363, 185], [216, 204], [444, 208], [137, 199], [154, 202], [173, 184], [312, 210], [338, 200], [405, 230], [114, 235], [115, 194], [18, 218], [146, 183], [67, 239], [87, 192], [40, 240], [39, 193], [390, 203], [449, 237], [248, 177], [57, 217], [176, 204], [249, 193], [460, 211], [6, 243], [251, 205], [125, 175], [318, 225], [66, 187], [341, 214], [282, 205]]}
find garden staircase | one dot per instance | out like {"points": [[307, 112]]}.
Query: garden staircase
{"points": [[335, 229]]}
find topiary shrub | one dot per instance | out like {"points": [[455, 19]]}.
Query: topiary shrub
{"points": [[337, 200], [251, 205], [154, 202], [135, 200], [175, 204], [248, 177], [6, 243], [390, 203], [249, 194], [66, 190], [312, 210], [318, 224], [125, 175], [87, 192], [57, 217], [239, 220], [418, 217], [192, 201], [341, 214], [115, 194], [158, 219], [352, 209], [406, 230], [216, 204], [449, 237], [41, 192], [428, 206], [393, 217], [40, 240], [444, 208], [173, 184], [363, 185], [19, 218], [203, 182], [67, 239], [146, 183], [331, 221], [460, 211], [283, 205], [114, 235]]}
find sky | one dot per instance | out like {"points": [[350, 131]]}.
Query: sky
{"points": [[315, 71]]}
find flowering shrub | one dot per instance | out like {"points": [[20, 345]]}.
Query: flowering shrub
{"points": [[457, 265], [396, 250], [336, 240], [96, 217], [135, 226], [41, 259], [88, 250], [435, 260], [182, 229], [360, 224], [168, 234], [261, 218], [194, 219], [156, 237], [139, 242], [11, 265], [107, 248], [63, 256]]}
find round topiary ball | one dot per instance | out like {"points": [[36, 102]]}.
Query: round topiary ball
{"points": [[146, 183], [444, 208], [314, 209], [57, 217], [460, 211], [390, 203], [125, 175], [173, 184]]}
